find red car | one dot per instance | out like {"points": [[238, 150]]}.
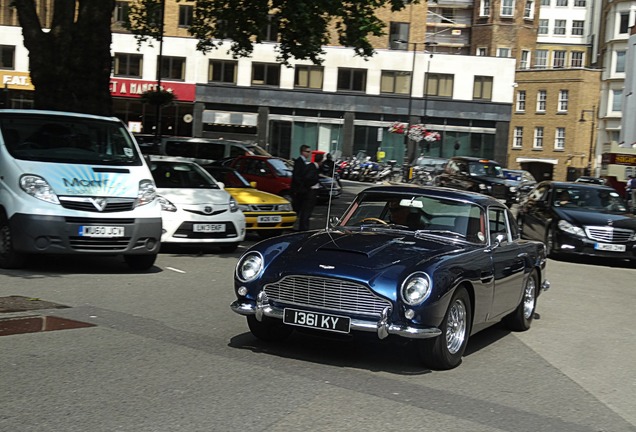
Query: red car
{"points": [[274, 175]]}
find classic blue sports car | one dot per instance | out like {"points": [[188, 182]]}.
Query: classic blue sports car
{"points": [[430, 264]]}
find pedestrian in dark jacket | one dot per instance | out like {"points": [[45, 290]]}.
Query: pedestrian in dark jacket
{"points": [[297, 177], [309, 191]]}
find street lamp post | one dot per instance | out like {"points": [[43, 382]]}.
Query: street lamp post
{"points": [[592, 149], [159, 64]]}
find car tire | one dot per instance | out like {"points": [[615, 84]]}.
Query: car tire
{"points": [[268, 330], [521, 318], [9, 258], [445, 351], [140, 262]]}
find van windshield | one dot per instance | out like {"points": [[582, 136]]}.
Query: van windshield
{"points": [[68, 139]]}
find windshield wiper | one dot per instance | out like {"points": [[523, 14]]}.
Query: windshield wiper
{"points": [[440, 232]]}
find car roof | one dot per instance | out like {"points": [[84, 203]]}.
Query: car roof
{"points": [[477, 198], [578, 185], [35, 112], [474, 159], [175, 159]]}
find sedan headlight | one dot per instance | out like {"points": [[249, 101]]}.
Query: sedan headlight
{"points": [[147, 192], [571, 229], [234, 207], [416, 288], [284, 207], [244, 207], [38, 188], [482, 186], [249, 266], [513, 189], [166, 205]]}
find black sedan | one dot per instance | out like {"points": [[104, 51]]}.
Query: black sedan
{"points": [[579, 218], [432, 265]]}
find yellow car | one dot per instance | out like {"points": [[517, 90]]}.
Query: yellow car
{"points": [[265, 213]]}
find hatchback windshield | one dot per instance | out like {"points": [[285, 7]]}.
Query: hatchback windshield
{"points": [[589, 198], [178, 175], [423, 214], [485, 169], [68, 139], [280, 167]]}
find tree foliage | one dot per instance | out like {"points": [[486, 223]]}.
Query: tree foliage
{"points": [[70, 59], [304, 26]]}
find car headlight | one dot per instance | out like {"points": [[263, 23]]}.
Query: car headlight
{"points": [[416, 288], [482, 186], [249, 266], [513, 189], [166, 205], [38, 188], [147, 192], [571, 229], [234, 207], [243, 207], [284, 207]]}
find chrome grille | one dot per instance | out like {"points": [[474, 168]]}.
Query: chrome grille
{"points": [[609, 234], [92, 204], [327, 293], [263, 207]]}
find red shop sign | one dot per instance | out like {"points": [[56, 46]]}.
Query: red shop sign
{"points": [[132, 88]]}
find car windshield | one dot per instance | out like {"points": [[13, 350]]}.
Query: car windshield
{"points": [[485, 169], [68, 139], [589, 199], [421, 214], [181, 175], [280, 167]]}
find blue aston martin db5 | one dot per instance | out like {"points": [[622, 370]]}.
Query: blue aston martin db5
{"points": [[433, 265]]}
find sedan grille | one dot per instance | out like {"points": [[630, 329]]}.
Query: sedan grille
{"points": [[327, 293], [97, 204], [609, 234]]}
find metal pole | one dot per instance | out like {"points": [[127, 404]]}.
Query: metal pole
{"points": [[406, 165], [159, 62], [591, 155]]}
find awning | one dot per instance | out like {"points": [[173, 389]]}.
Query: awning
{"points": [[537, 160]]}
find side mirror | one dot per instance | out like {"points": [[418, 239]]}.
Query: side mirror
{"points": [[221, 184], [253, 184]]}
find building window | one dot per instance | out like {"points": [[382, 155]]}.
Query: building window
{"points": [[395, 82], [482, 51], [128, 65], [352, 79], [507, 8], [542, 97], [267, 74], [579, 3], [524, 63], [559, 27], [559, 139], [617, 100], [623, 26], [620, 61], [484, 8], [222, 71], [538, 137], [528, 12], [173, 68], [482, 88], [578, 28], [308, 77], [439, 85], [543, 28], [7, 57], [398, 36], [558, 60], [564, 96], [120, 14], [545, 2], [503, 52], [562, 3], [576, 59], [269, 32], [541, 59], [517, 141], [185, 15], [521, 101]]}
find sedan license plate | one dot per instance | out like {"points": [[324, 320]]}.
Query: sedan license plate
{"points": [[101, 231], [269, 219], [610, 247], [317, 320], [208, 228]]}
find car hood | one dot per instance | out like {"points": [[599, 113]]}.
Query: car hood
{"points": [[195, 196], [597, 218], [255, 196], [368, 250], [495, 180]]}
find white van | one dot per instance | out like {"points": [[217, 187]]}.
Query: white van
{"points": [[74, 184]]}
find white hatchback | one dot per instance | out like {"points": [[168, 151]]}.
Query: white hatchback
{"points": [[195, 207]]}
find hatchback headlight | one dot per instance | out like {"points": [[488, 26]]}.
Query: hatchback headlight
{"points": [[147, 192], [38, 188], [284, 207], [571, 229], [249, 266], [234, 207], [416, 288], [166, 205]]}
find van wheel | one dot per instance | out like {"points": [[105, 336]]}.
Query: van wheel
{"points": [[9, 258], [140, 262]]}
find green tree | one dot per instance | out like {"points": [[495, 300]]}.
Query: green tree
{"points": [[70, 63]]}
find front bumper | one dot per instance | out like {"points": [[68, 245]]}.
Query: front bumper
{"points": [[383, 328], [569, 244]]}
